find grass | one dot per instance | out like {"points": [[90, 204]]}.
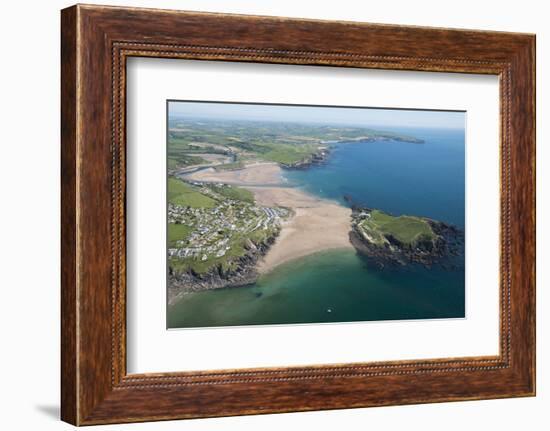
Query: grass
{"points": [[172, 163], [178, 159], [180, 193], [406, 229], [228, 261], [177, 232], [180, 143], [289, 154], [284, 153], [235, 193], [230, 166]]}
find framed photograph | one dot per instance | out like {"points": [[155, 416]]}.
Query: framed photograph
{"points": [[264, 215]]}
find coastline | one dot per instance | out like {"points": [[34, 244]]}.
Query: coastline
{"points": [[260, 231], [316, 224]]}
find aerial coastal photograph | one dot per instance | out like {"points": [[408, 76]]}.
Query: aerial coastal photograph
{"points": [[303, 214]]}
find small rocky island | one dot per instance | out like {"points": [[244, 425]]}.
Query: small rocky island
{"points": [[401, 240]]}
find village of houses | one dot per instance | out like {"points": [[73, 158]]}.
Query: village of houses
{"points": [[214, 231]]}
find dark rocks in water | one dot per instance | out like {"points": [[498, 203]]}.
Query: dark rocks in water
{"points": [[377, 256], [242, 272], [217, 278], [408, 139], [353, 205], [348, 199]]}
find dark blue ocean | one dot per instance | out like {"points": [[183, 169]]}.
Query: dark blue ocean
{"points": [[396, 177], [340, 286]]}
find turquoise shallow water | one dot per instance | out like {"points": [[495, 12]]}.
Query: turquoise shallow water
{"points": [[340, 286], [334, 286]]}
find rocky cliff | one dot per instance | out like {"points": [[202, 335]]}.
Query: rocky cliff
{"points": [[444, 241], [242, 272]]}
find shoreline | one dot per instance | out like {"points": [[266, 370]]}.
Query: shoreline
{"points": [[316, 225], [260, 173]]}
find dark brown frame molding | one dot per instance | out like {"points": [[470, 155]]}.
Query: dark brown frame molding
{"points": [[95, 43]]}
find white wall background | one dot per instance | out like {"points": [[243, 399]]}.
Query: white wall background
{"points": [[29, 214]]}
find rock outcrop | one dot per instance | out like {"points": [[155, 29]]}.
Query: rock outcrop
{"points": [[243, 271], [446, 242], [318, 158]]}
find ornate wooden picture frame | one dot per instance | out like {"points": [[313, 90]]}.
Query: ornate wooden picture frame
{"points": [[96, 41]]}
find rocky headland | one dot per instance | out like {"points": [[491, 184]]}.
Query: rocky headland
{"points": [[317, 158], [389, 240]]}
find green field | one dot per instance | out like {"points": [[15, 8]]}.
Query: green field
{"points": [[180, 193], [229, 166], [182, 153], [289, 154], [183, 160], [406, 229], [233, 192], [177, 232], [183, 194]]}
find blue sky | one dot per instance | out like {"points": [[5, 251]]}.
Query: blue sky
{"points": [[328, 115]]}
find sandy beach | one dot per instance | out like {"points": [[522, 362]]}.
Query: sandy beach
{"points": [[262, 173], [317, 225]]}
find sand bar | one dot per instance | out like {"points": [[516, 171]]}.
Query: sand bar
{"points": [[262, 173]]}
